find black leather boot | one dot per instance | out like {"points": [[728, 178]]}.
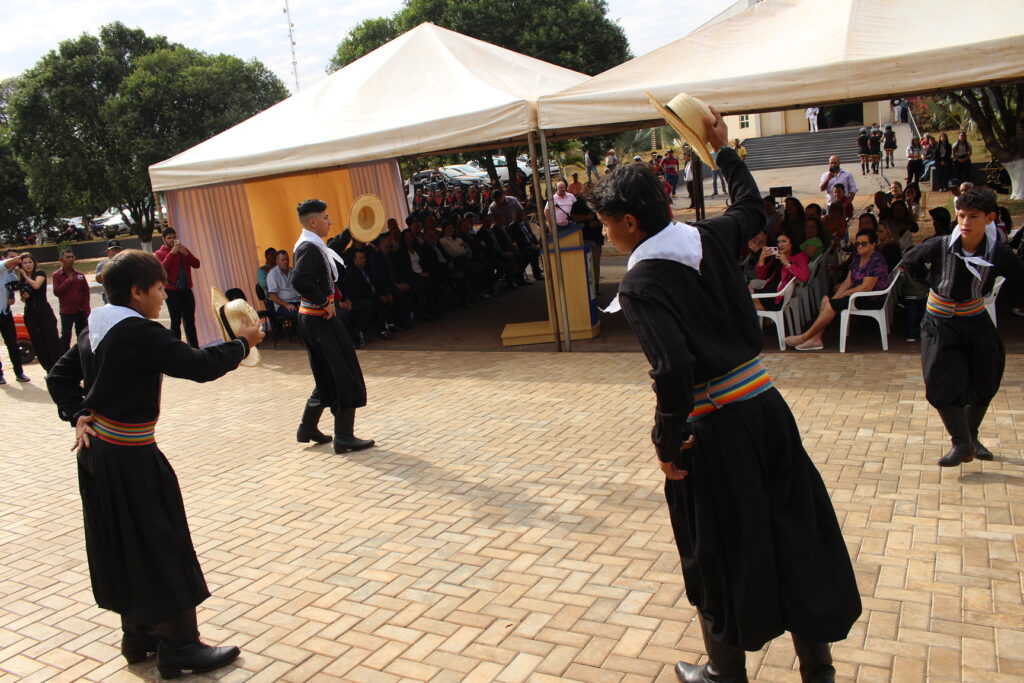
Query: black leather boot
{"points": [[308, 430], [344, 439], [181, 650], [975, 414], [726, 663], [138, 641], [955, 419], [815, 661]]}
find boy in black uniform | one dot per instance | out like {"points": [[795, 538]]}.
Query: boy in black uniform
{"points": [[761, 550], [332, 357], [141, 559], [962, 355]]}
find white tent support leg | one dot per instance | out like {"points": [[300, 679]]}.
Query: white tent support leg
{"points": [[545, 232], [563, 312]]}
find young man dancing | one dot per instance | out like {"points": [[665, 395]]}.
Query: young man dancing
{"points": [[332, 357], [962, 355], [761, 550]]}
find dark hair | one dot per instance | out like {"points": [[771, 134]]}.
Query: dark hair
{"points": [[824, 234], [874, 221], [234, 293], [269, 250], [67, 250], [940, 214], [815, 205], [311, 206], [35, 261], [165, 233], [279, 252], [980, 198], [498, 192], [870, 234], [632, 189], [127, 269]]}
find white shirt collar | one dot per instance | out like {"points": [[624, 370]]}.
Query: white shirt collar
{"points": [[102, 320], [679, 242], [970, 262]]}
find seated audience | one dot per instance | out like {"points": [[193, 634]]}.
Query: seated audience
{"points": [[776, 266], [817, 240], [942, 222], [881, 200], [912, 197], [887, 246], [369, 305], [280, 290], [868, 273], [902, 224]]}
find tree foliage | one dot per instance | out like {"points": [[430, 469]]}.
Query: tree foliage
{"points": [[90, 117], [575, 34], [998, 114]]}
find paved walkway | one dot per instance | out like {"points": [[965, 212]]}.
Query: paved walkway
{"points": [[510, 527]]}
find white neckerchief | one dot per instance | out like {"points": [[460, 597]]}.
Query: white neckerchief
{"points": [[330, 255], [991, 238], [102, 320], [679, 242]]}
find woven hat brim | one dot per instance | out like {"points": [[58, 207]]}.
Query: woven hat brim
{"points": [[217, 302], [367, 232], [698, 141]]}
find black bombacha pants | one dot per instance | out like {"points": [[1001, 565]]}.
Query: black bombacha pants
{"points": [[962, 359]]}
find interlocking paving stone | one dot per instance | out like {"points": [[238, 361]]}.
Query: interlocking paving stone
{"points": [[510, 526]]}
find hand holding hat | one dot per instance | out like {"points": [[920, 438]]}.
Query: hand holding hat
{"points": [[700, 125], [238, 319]]}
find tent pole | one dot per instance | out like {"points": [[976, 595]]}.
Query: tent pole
{"points": [[564, 308], [549, 283], [697, 169]]}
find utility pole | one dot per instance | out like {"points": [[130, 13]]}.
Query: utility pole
{"points": [[291, 40]]}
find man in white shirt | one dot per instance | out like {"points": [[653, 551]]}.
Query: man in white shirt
{"points": [[280, 290], [835, 175], [563, 205], [812, 119]]}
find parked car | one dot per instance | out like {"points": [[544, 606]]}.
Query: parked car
{"points": [[110, 224], [25, 348], [523, 163]]}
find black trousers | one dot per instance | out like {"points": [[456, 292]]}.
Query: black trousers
{"points": [[181, 304], [10, 336], [915, 169], [67, 320], [962, 359]]}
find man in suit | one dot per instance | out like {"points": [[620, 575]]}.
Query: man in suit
{"points": [[374, 305]]}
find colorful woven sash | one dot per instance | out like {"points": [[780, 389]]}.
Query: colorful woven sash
{"points": [[123, 433], [947, 308], [307, 307], [739, 384]]}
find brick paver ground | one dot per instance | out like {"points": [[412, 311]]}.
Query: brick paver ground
{"points": [[511, 527]]}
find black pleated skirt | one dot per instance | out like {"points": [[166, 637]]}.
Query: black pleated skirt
{"points": [[141, 559], [761, 549], [336, 370]]}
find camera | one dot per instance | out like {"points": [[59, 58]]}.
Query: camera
{"points": [[774, 251]]}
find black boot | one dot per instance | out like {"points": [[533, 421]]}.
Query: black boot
{"points": [[955, 419], [180, 648], [815, 661], [344, 439], [308, 430], [726, 664], [975, 414], [138, 641]]}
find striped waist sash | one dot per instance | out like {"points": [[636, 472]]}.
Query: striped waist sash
{"points": [[947, 308], [123, 433], [307, 307], [739, 384]]}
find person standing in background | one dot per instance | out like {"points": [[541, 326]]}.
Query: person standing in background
{"points": [[178, 261], [72, 290]]}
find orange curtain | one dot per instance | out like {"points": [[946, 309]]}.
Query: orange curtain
{"points": [[272, 203], [384, 179], [213, 222]]}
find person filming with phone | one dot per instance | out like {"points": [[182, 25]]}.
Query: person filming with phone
{"points": [[776, 266], [178, 261]]}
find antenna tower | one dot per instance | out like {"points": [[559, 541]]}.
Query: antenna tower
{"points": [[291, 41]]}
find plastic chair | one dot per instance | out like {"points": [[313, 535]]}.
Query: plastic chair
{"points": [[990, 300], [778, 317], [882, 315]]}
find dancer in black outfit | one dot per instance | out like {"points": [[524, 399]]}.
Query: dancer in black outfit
{"points": [[761, 549], [962, 356], [141, 559], [332, 357]]}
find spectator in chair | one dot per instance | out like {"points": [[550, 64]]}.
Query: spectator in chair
{"points": [[370, 306], [868, 273], [902, 224], [817, 240], [887, 245], [280, 290], [777, 266]]}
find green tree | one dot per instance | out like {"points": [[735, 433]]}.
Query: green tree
{"points": [[575, 34], [88, 118], [998, 114]]}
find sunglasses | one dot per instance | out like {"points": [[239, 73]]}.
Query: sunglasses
{"points": [[862, 244]]}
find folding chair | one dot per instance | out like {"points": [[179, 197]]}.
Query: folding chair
{"points": [[778, 317], [883, 315]]}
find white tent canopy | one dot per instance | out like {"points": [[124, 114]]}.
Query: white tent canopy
{"points": [[428, 90], [783, 54]]}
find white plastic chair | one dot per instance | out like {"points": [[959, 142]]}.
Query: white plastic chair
{"points": [[882, 315], [778, 317], [990, 300]]}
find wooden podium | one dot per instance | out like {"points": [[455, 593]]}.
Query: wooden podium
{"points": [[580, 295]]}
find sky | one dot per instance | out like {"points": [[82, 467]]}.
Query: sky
{"points": [[258, 28]]}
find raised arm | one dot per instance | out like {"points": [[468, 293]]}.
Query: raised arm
{"points": [[175, 358]]}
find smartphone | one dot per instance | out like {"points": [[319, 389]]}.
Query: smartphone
{"points": [[774, 251]]}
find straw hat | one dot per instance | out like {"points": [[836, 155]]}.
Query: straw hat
{"points": [[368, 218], [231, 315], [685, 114]]}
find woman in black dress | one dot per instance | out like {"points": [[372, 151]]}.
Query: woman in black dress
{"points": [[141, 559], [943, 156], [39, 318]]}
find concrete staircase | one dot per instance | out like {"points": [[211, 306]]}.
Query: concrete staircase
{"points": [[803, 149]]}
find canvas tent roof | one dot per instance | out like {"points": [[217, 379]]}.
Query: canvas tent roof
{"points": [[428, 90], [783, 54]]}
